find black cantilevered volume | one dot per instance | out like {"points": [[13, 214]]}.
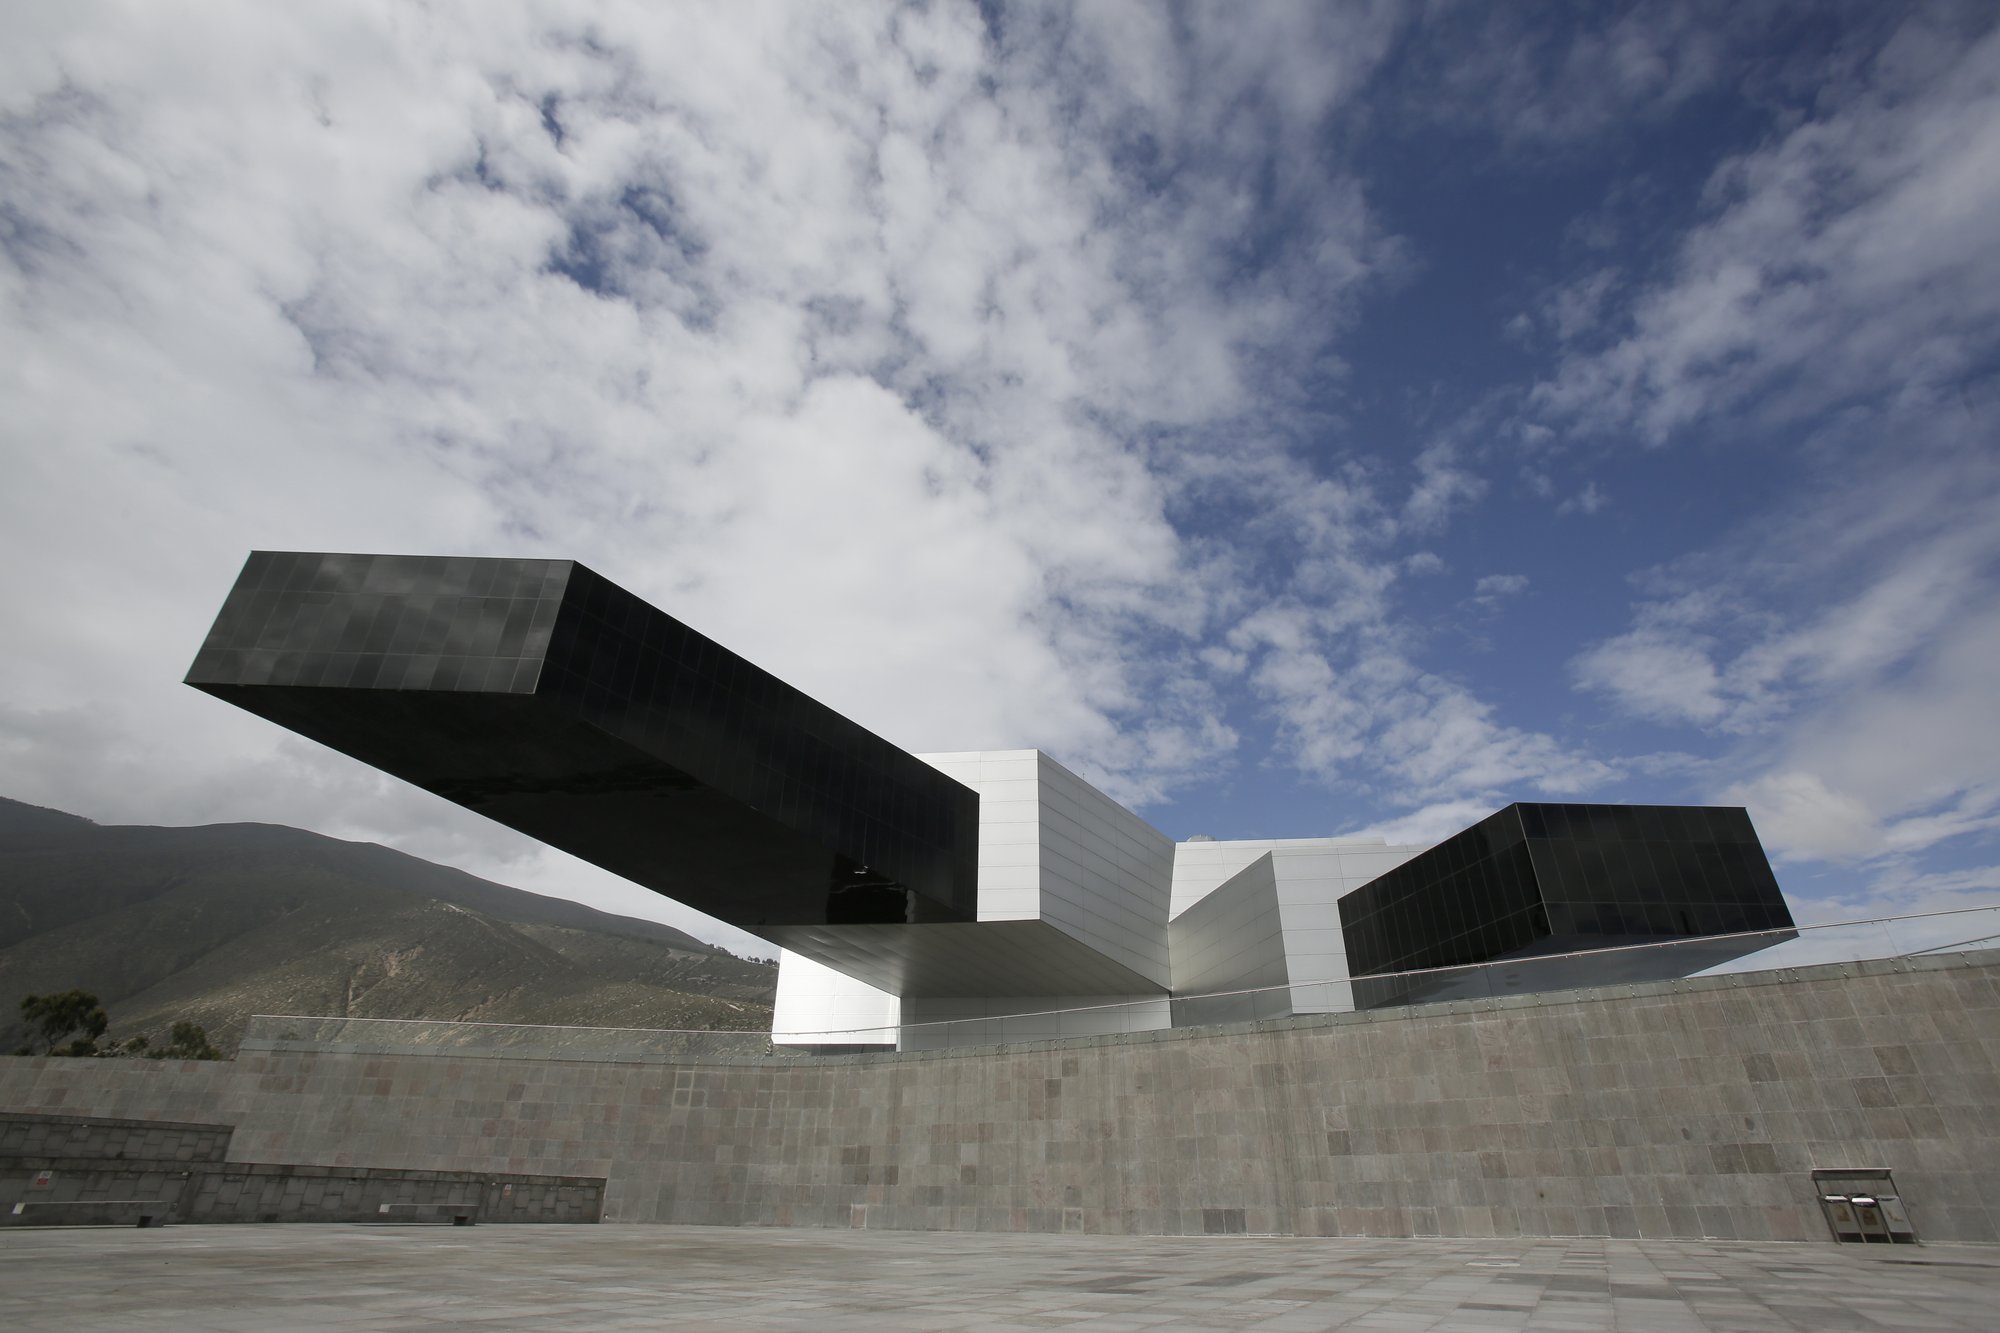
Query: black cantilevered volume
{"points": [[549, 699], [1535, 881]]}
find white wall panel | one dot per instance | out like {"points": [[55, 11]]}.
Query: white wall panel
{"points": [[1054, 848], [1312, 875], [817, 1006]]}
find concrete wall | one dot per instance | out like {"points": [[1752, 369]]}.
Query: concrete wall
{"points": [[1683, 1109]]}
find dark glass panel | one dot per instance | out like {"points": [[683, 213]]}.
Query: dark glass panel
{"points": [[409, 627], [489, 631], [1591, 880], [280, 572]]}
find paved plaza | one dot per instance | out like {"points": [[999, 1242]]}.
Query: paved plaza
{"points": [[630, 1277]]}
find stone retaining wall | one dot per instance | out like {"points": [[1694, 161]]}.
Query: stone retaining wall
{"points": [[23, 1136], [1684, 1109], [58, 1170], [271, 1193]]}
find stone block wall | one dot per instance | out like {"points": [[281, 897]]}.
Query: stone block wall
{"points": [[73, 1170], [1683, 1109], [77, 1136], [271, 1193], [83, 1192]]}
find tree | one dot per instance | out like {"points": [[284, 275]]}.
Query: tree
{"points": [[55, 1017], [189, 1042]]}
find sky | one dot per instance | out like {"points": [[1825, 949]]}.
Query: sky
{"points": [[1298, 419]]}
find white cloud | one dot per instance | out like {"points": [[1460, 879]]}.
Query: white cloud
{"points": [[1443, 740], [1428, 824], [1847, 257], [1541, 87], [1838, 285], [1586, 501], [1577, 307], [979, 372], [850, 335], [1492, 589], [1920, 750], [1796, 813], [1899, 891], [1442, 487], [1656, 674], [1836, 596], [1857, 667], [1418, 737]]}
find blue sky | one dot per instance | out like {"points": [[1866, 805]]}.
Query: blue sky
{"points": [[1299, 419]]}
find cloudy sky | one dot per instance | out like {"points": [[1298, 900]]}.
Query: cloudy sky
{"points": [[1299, 419]]}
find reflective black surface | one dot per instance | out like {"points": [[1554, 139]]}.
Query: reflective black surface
{"points": [[1542, 878], [1651, 870], [384, 622], [546, 697]]}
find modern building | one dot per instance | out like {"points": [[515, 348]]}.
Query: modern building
{"points": [[945, 898]]}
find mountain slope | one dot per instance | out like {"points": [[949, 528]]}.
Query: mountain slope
{"points": [[218, 922]]}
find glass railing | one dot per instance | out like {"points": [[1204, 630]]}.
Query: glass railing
{"points": [[1914, 936], [1955, 931], [389, 1036]]}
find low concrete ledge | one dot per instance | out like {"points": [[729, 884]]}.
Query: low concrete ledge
{"points": [[87, 1213]]}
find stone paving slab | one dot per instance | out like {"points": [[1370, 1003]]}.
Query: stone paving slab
{"points": [[557, 1277]]}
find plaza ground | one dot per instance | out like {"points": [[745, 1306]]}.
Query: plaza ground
{"points": [[634, 1277]]}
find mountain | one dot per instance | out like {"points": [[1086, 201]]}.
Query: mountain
{"points": [[215, 923]]}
